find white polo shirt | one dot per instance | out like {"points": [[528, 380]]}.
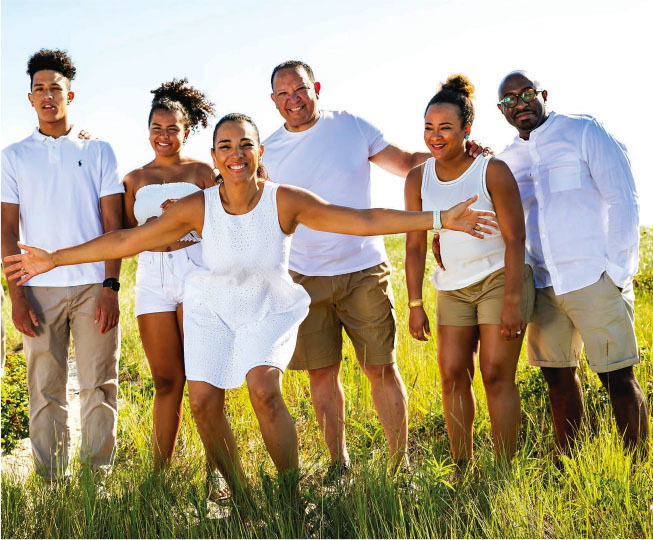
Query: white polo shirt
{"points": [[331, 159], [57, 184], [580, 203]]}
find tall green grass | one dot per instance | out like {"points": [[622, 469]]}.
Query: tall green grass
{"points": [[598, 491]]}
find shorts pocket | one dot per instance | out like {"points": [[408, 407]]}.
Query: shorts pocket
{"points": [[564, 176]]}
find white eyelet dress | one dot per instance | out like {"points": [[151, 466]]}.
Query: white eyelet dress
{"points": [[244, 310]]}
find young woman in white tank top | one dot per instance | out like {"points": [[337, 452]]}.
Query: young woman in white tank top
{"points": [[486, 292], [243, 311], [177, 108]]}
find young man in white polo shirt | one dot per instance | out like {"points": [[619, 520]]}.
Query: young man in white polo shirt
{"points": [[58, 190], [582, 234]]}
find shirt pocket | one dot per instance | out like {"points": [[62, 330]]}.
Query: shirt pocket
{"points": [[564, 176]]}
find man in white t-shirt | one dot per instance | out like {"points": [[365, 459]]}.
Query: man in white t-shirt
{"points": [[582, 234], [57, 191], [348, 277]]}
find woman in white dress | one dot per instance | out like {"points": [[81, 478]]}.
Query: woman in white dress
{"points": [[243, 311], [177, 109]]}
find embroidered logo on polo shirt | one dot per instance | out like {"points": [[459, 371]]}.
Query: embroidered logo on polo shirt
{"points": [[79, 163]]}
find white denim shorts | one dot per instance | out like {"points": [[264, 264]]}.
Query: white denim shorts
{"points": [[161, 276]]}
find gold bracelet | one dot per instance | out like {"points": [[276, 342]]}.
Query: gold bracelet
{"points": [[418, 302]]}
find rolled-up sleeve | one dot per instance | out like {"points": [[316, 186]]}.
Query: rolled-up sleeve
{"points": [[610, 168]]}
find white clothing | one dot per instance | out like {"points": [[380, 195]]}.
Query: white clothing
{"points": [[58, 184], [161, 276], [149, 198], [467, 259], [244, 310], [580, 203], [331, 159]]}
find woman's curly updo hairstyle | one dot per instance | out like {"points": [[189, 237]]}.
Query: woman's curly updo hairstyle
{"points": [[178, 96], [457, 91]]}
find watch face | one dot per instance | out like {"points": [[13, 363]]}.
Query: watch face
{"points": [[112, 283]]}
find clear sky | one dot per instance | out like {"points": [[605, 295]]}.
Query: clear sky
{"points": [[379, 59]]}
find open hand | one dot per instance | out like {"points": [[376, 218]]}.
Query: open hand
{"points": [[463, 218], [25, 266]]}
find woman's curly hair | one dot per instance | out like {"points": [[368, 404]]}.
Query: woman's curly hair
{"points": [[53, 59], [178, 95]]}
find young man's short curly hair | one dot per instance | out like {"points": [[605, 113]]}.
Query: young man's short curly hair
{"points": [[53, 59]]}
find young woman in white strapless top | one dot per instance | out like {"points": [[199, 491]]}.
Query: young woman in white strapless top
{"points": [[177, 108], [486, 293]]}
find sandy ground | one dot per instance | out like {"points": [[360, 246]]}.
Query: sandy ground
{"points": [[19, 462]]}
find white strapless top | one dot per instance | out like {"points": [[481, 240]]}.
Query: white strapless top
{"points": [[149, 198]]}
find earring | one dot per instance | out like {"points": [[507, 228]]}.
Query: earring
{"points": [[466, 136]]}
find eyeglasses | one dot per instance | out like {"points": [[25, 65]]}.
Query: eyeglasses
{"points": [[511, 100]]}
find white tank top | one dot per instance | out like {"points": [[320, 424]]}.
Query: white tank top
{"points": [[467, 259], [149, 198]]}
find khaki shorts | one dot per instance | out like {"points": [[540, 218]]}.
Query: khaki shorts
{"points": [[600, 315], [361, 303], [482, 302]]}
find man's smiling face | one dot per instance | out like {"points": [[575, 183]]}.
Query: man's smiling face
{"points": [[295, 96]]}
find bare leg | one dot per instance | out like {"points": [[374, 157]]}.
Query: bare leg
{"points": [[629, 405], [391, 402], [329, 404], [207, 404], [566, 404], [456, 354], [498, 362], [162, 341], [277, 426]]}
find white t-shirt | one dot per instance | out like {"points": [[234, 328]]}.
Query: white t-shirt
{"points": [[331, 159], [57, 184], [580, 203]]}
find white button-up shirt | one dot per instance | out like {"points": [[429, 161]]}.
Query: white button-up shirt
{"points": [[57, 184], [580, 203]]}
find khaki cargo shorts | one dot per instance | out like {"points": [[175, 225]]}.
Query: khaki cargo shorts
{"points": [[361, 303], [482, 302], [600, 315]]}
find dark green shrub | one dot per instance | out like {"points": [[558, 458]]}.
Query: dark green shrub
{"points": [[15, 412]]}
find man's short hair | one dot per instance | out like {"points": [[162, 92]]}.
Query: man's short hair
{"points": [[53, 59], [293, 64]]}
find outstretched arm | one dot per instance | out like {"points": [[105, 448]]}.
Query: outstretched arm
{"points": [[297, 205], [180, 219]]}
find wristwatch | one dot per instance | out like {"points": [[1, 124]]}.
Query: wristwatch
{"points": [[437, 221], [112, 283]]}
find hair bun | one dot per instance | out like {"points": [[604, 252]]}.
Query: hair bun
{"points": [[460, 84]]}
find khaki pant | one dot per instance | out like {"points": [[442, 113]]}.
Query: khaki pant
{"points": [[361, 303], [62, 310]]}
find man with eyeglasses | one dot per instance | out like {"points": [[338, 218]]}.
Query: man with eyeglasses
{"points": [[582, 235]]}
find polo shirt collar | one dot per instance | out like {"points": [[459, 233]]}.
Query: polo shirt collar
{"points": [[47, 138]]}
